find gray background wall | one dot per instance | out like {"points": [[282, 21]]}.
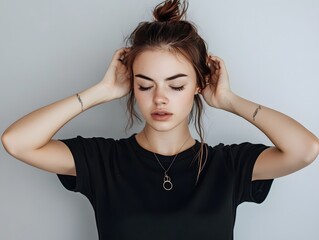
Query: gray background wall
{"points": [[53, 49]]}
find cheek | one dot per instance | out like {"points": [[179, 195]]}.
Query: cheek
{"points": [[189, 94], [137, 94], [186, 98], [141, 99], [185, 101], [189, 102]]}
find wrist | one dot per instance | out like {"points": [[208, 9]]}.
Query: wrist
{"points": [[93, 96], [228, 103]]}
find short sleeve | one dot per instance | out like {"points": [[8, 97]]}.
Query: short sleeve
{"points": [[243, 157], [88, 154]]}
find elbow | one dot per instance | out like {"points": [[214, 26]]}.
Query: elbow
{"points": [[8, 143], [311, 152], [5, 140]]}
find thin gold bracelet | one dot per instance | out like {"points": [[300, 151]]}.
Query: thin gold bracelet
{"points": [[80, 100]]}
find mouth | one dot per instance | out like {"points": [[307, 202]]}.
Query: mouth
{"points": [[159, 115]]}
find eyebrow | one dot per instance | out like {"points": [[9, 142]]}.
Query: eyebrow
{"points": [[166, 79]]}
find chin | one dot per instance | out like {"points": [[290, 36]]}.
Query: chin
{"points": [[165, 126], [161, 127]]}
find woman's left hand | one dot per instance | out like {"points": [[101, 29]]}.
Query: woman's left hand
{"points": [[217, 91]]}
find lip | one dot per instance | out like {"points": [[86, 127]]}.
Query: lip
{"points": [[161, 115]]}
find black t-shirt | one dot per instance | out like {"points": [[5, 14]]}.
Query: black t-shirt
{"points": [[123, 182]]}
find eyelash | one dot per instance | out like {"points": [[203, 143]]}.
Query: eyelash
{"points": [[181, 88], [144, 88]]}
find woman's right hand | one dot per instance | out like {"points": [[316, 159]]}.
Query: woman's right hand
{"points": [[117, 78], [30, 138]]}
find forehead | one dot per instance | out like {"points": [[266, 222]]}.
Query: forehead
{"points": [[162, 63]]}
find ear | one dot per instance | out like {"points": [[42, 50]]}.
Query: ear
{"points": [[198, 90]]}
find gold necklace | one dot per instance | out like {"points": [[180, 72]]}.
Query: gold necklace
{"points": [[167, 182]]}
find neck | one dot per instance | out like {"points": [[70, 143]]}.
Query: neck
{"points": [[165, 143]]}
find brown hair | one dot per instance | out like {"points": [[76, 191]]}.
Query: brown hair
{"points": [[171, 32]]}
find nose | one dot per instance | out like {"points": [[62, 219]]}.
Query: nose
{"points": [[160, 97]]}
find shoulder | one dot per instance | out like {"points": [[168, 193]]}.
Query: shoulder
{"points": [[235, 148], [96, 143], [237, 153]]}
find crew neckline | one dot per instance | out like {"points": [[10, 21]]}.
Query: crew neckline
{"points": [[187, 153]]}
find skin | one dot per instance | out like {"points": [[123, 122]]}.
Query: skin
{"points": [[175, 96], [30, 138]]}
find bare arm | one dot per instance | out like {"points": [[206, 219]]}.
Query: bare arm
{"points": [[30, 138], [295, 146]]}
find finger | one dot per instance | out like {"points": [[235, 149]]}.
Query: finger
{"points": [[220, 61], [214, 71], [213, 62], [120, 54]]}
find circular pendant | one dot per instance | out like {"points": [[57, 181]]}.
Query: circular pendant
{"points": [[167, 185]]}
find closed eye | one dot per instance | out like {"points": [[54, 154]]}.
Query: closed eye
{"points": [[144, 88], [148, 88], [178, 88]]}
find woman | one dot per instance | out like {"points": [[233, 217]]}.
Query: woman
{"points": [[162, 183]]}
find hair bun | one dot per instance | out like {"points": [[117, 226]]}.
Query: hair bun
{"points": [[170, 10]]}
